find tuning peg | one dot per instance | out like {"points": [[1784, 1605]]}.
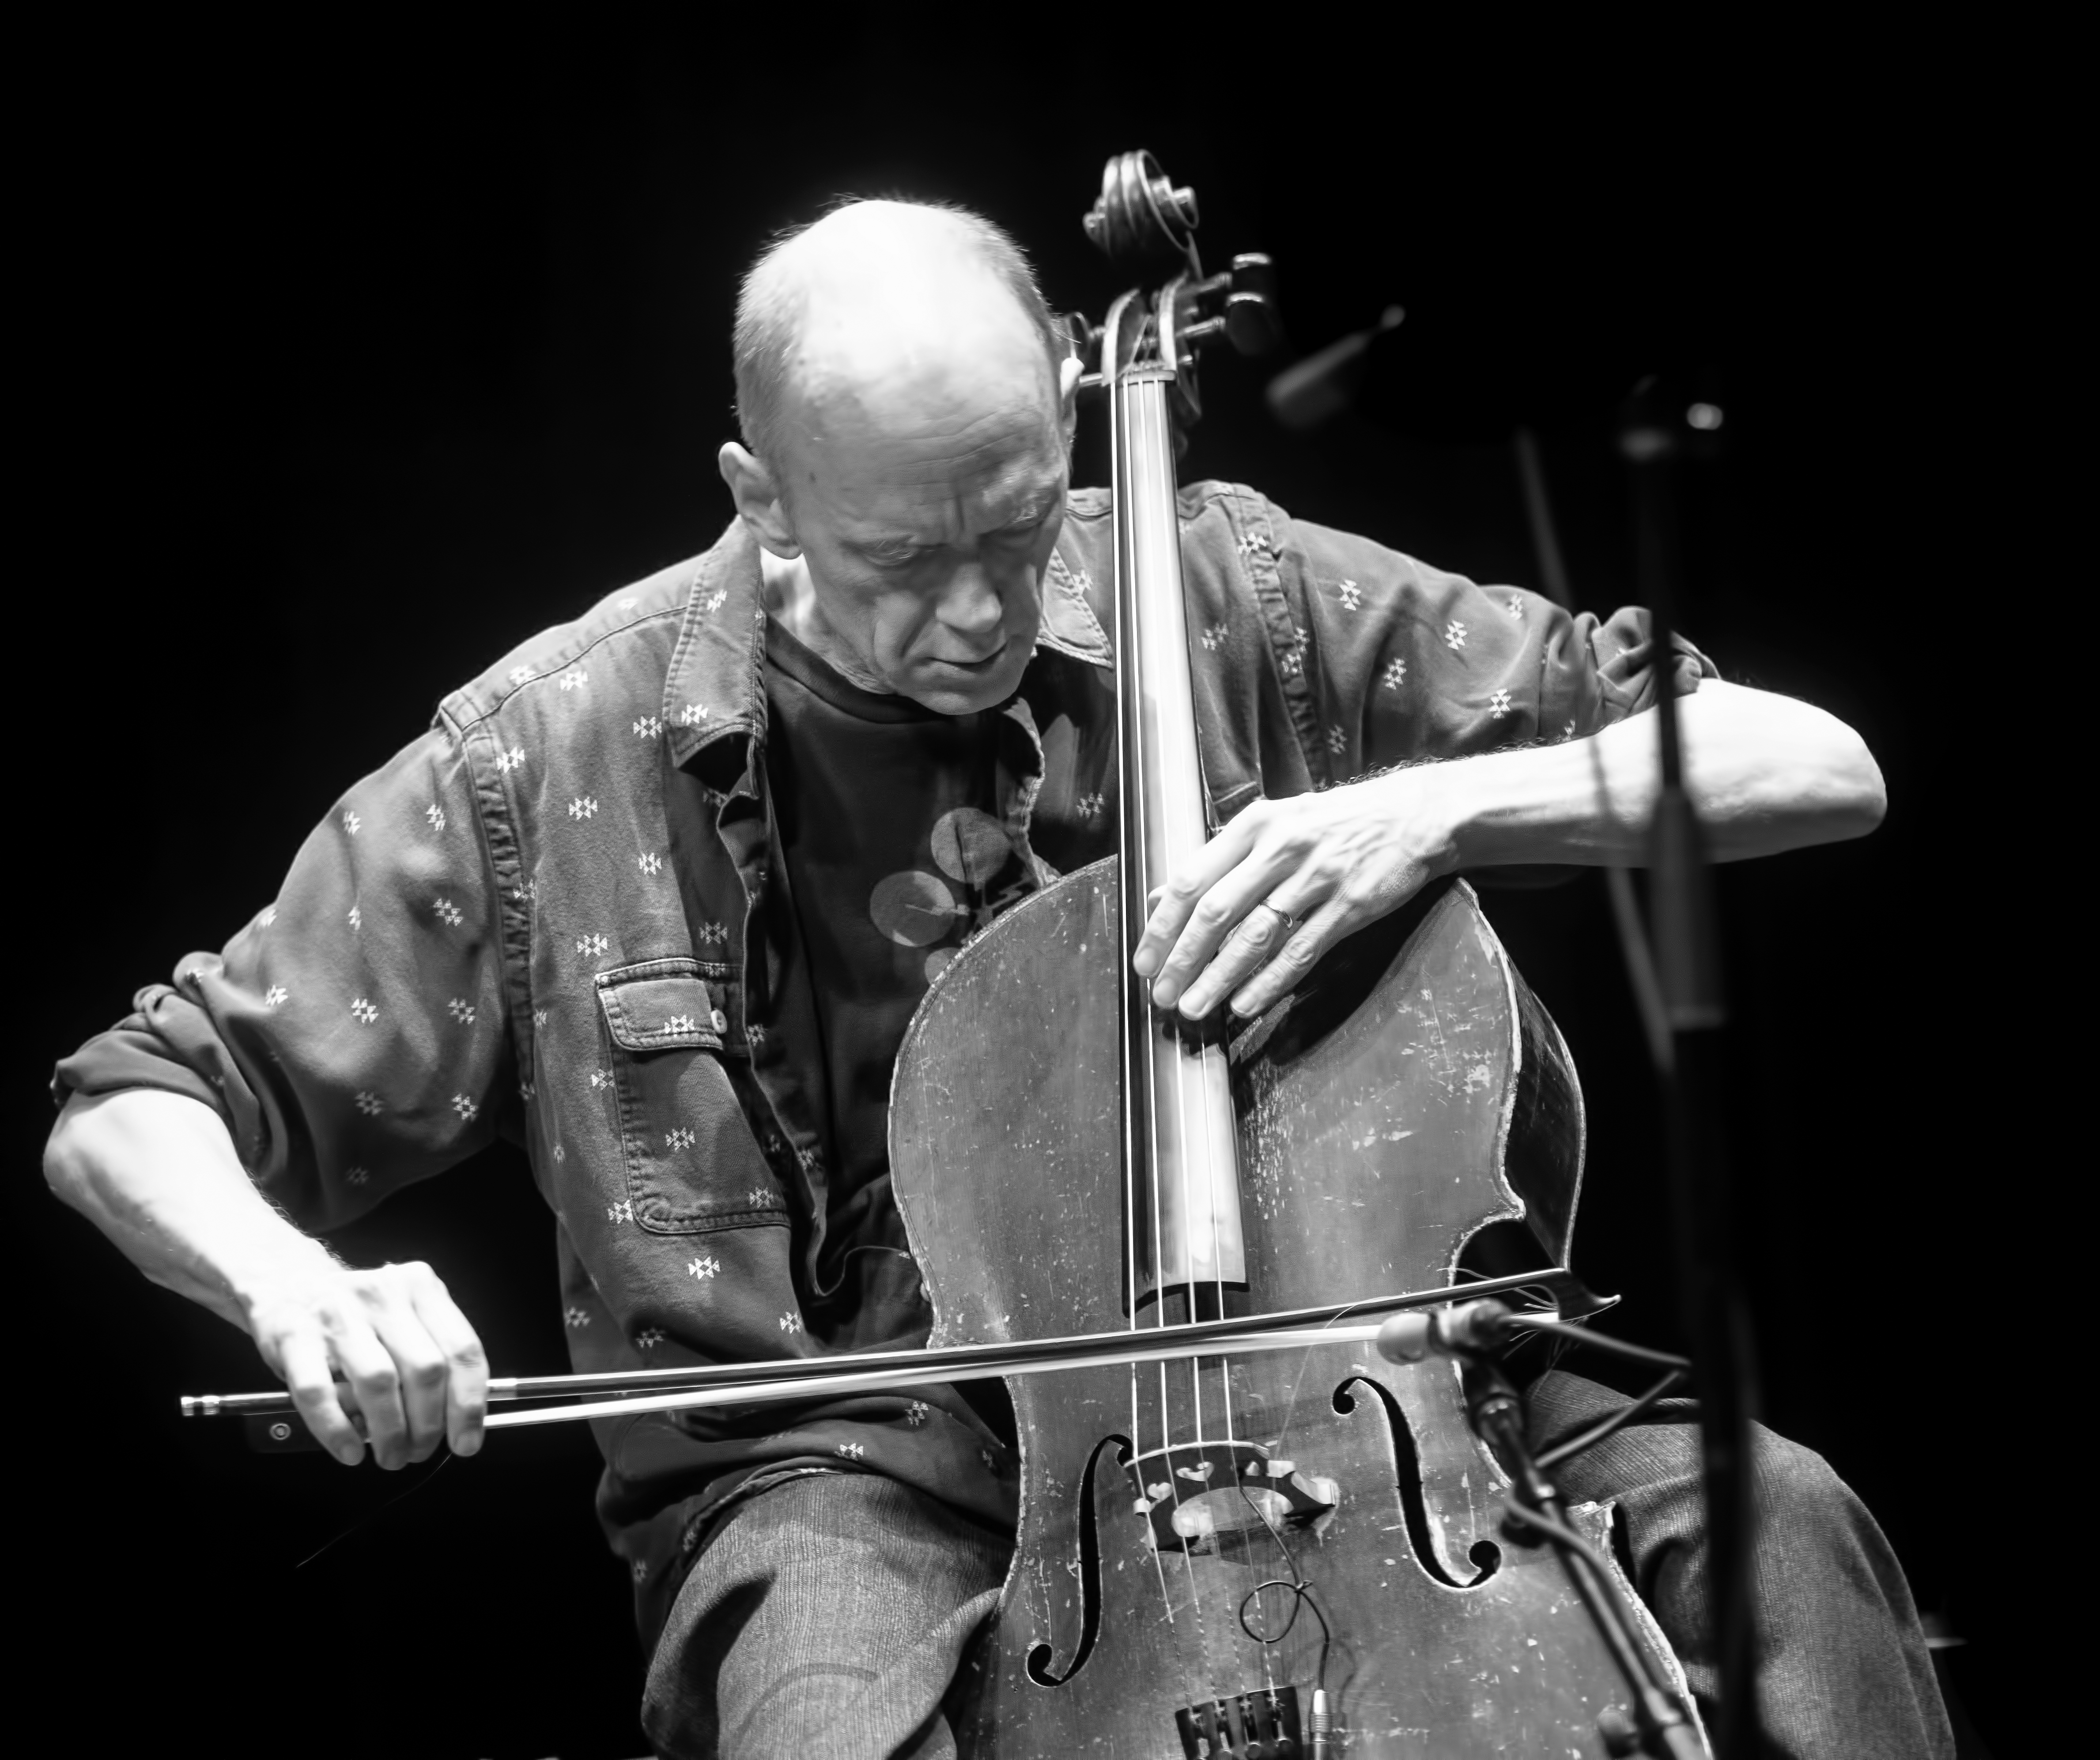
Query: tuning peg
{"points": [[1250, 313], [1250, 323], [1239, 306], [1253, 272], [1082, 339]]}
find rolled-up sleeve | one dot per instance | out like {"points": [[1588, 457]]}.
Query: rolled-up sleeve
{"points": [[352, 1035], [1412, 664]]}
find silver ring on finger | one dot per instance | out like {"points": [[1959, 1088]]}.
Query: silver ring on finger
{"points": [[1289, 922]]}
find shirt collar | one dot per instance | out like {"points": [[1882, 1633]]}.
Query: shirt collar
{"points": [[715, 687], [1068, 623]]}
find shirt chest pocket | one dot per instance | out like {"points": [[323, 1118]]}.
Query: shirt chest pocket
{"points": [[692, 1165]]}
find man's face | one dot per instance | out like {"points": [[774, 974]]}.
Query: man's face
{"points": [[925, 506]]}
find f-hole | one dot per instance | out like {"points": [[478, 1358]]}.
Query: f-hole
{"points": [[1407, 1458], [1090, 1574]]}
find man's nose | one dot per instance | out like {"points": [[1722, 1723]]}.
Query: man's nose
{"points": [[970, 605]]}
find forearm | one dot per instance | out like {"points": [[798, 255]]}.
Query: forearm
{"points": [[1766, 772], [156, 1172]]}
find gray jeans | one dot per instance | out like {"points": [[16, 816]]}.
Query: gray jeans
{"points": [[1842, 1667], [824, 1619]]}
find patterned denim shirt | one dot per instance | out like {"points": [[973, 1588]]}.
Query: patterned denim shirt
{"points": [[547, 920]]}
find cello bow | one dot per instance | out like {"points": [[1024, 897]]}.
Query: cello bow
{"points": [[629, 1393]]}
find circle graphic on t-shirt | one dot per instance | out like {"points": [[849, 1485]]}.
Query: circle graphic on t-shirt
{"points": [[913, 907], [971, 846]]}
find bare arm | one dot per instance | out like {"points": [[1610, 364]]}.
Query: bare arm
{"points": [[157, 1173], [1767, 773]]}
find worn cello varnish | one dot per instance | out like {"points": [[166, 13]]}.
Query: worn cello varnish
{"points": [[1377, 1130], [1174, 1520]]}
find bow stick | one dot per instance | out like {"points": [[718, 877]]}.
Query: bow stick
{"points": [[630, 1392]]}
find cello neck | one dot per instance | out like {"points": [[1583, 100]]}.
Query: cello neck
{"points": [[1182, 1151]]}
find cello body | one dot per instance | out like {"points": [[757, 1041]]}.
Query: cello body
{"points": [[1409, 1093]]}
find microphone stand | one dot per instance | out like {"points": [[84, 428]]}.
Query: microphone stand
{"points": [[1659, 1725], [1652, 437]]}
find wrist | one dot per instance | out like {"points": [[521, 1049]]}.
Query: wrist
{"points": [[1425, 799], [268, 1264]]}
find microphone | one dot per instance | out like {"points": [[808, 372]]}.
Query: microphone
{"points": [[1324, 384], [1461, 1331]]}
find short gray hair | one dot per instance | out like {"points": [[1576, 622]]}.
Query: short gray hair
{"points": [[769, 315]]}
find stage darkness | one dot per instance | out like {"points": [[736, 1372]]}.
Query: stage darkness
{"points": [[349, 386]]}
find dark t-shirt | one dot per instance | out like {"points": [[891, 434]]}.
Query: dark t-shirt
{"points": [[885, 815]]}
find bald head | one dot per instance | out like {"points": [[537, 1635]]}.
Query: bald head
{"points": [[874, 294], [907, 404]]}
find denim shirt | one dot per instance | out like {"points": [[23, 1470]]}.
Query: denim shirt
{"points": [[548, 920]]}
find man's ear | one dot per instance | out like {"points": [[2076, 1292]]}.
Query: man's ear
{"points": [[757, 498], [1068, 399]]}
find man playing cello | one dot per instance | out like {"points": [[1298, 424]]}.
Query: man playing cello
{"points": [[742, 813]]}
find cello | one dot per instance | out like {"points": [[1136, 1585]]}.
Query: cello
{"points": [[1257, 1555]]}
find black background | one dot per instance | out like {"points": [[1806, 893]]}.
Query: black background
{"points": [[353, 364]]}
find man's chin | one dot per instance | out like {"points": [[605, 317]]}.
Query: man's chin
{"points": [[956, 690]]}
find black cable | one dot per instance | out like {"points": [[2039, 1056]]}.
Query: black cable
{"points": [[1525, 1515], [1301, 1591], [1618, 1420], [1661, 1716], [1562, 1329]]}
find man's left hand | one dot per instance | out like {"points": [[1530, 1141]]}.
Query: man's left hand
{"points": [[1322, 865]]}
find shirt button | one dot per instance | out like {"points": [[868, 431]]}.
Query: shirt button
{"points": [[719, 1021]]}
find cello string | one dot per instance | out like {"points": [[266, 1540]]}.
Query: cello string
{"points": [[1183, 1246], [1301, 1588], [1211, 1155], [1141, 1136], [1186, 1271], [1133, 1157], [1298, 1381], [1186, 1174], [1183, 1270], [1141, 851]]}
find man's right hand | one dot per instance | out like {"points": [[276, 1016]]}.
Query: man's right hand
{"points": [[413, 1371], [157, 1174]]}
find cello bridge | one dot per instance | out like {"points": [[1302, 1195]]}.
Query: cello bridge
{"points": [[1196, 1495]]}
